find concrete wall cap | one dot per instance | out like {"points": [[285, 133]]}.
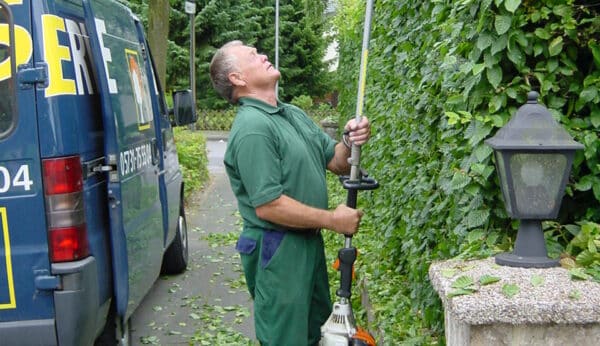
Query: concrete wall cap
{"points": [[558, 299]]}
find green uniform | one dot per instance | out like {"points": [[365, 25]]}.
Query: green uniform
{"points": [[273, 151]]}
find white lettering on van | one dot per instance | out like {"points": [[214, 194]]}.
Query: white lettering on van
{"points": [[54, 55], [135, 159], [106, 55], [21, 179], [76, 52], [79, 49]]}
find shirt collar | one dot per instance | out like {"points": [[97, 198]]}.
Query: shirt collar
{"points": [[248, 101]]}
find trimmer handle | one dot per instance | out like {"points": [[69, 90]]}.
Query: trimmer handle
{"points": [[347, 255], [353, 186]]}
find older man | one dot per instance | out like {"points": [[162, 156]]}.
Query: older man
{"points": [[276, 160]]}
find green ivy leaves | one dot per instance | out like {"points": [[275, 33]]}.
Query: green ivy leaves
{"points": [[465, 285], [443, 77], [555, 46], [511, 5], [510, 290], [494, 76], [502, 24]]}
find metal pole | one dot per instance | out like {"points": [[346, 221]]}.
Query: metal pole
{"points": [[277, 45], [193, 54], [362, 79], [360, 100], [190, 8]]}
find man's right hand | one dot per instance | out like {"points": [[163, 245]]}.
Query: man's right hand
{"points": [[346, 220]]}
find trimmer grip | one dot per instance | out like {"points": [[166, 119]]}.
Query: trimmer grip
{"points": [[347, 256], [351, 198]]}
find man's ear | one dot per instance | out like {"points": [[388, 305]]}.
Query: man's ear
{"points": [[236, 79]]}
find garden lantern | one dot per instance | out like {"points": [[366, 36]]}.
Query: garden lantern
{"points": [[533, 155]]}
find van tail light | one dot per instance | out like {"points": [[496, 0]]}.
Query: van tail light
{"points": [[63, 192]]}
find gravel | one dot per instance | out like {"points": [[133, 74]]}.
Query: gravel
{"points": [[543, 296]]}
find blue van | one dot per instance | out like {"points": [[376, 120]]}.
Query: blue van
{"points": [[91, 191]]}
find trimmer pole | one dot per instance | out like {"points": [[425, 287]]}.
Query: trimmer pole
{"points": [[340, 328], [360, 101]]}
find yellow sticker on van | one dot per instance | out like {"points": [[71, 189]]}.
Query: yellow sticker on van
{"points": [[23, 52], [11, 303]]}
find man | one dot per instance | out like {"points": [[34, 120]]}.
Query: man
{"points": [[276, 160]]}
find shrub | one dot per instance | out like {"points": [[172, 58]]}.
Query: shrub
{"points": [[442, 77], [216, 120], [191, 151], [302, 101]]}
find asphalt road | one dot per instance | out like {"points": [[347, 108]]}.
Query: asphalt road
{"points": [[209, 303]]}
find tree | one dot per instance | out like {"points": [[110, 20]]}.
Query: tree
{"points": [[158, 34], [219, 22], [302, 43], [302, 48]]}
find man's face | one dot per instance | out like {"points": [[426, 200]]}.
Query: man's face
{"points": [[255, 68]]}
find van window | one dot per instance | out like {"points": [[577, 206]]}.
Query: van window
{"points": [[7, 92]]}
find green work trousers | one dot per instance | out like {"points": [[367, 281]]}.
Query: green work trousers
{"points": [[286, 275]]}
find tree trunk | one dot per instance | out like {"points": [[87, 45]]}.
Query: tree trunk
{"points": [[158, 33]]}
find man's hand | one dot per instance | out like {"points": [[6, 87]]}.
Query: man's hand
{"points": [[346, 220], [358, 133]]}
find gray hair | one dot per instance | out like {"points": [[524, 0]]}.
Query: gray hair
{"points": [[221, 65]]}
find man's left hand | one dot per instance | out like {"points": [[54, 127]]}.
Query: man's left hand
{"points": [[358, 133]]}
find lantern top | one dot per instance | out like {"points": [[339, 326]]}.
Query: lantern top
{"points": [[533, 127]]}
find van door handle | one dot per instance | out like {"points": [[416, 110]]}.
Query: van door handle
{"points": [[155, 152]]}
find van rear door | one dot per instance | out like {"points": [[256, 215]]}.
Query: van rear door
{"points": [[132, 161], [25, 281]]}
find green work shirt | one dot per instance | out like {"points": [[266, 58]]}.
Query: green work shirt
{"points": [[273, 151]]}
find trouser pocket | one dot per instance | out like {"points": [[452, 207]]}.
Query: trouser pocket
{"points": [[245, 245], [271, 241], [249, 255]]}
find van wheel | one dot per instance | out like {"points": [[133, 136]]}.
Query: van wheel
{"points": [[115, 333], [175, 259]]}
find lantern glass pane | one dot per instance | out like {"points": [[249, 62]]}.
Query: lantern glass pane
{"points": [[501, 169], [537, 180]]}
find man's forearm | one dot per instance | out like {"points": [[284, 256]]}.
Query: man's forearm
{"points": [[288, 212], [339, 163]]}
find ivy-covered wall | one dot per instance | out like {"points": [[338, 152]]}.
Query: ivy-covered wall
{"points": [[443, 76]]}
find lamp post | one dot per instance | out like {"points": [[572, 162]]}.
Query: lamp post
{"points": [[533, 155], [190, 8]]}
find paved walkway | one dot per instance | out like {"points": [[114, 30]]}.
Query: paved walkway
{"points": [[209, 303]]}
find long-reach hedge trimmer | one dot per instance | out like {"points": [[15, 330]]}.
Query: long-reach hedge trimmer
{"points": [[340, 328]]}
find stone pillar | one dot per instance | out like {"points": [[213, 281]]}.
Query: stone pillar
{"points": [[546, 308]]}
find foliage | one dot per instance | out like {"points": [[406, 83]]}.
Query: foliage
{"points": [[316, 111], [442, 77], [191, 150], [302, 101], [324, 111], [216, 120], [221, 120], [583, 250], [301, 47]]}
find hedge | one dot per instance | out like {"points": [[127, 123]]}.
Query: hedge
{"points": [[442, 77]]}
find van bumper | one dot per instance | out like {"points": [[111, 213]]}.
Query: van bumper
{"points": [[76, 311], [77, 304], [32, 332]]}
